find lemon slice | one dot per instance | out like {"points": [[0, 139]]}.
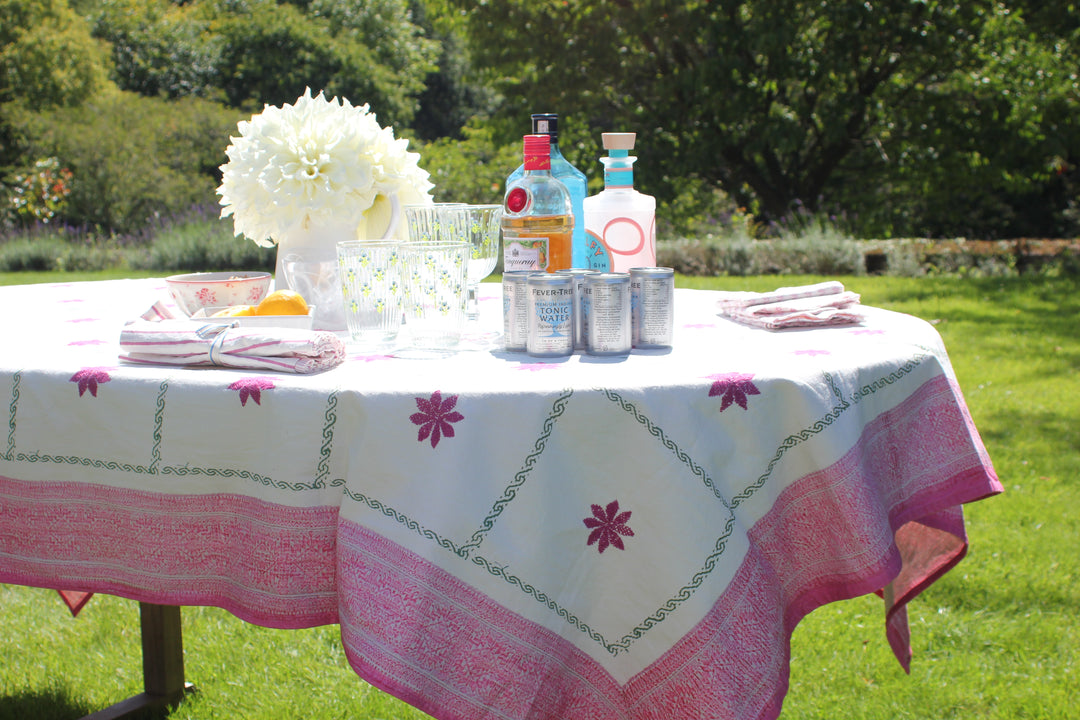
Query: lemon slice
{"points": [[235, 311]]}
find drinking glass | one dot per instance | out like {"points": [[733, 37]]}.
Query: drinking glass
{"points": [[435, 293], [372, 285], [320, 285], [477, 225], [425, 223]]}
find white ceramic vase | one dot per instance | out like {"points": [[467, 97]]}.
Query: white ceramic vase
{"points": [[307, 259]]}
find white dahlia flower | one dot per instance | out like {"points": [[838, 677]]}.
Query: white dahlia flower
{"points": [[315, 163]]}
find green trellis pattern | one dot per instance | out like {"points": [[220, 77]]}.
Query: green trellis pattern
{"points": [[155, 467], [894, 376], [557, 410], [15, 381], [159, 420], [498, 571], [327, 447], [659, 434]]}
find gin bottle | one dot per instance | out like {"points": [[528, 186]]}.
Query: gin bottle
{"points": [[568, 175], [620, 222], [538, 219]]}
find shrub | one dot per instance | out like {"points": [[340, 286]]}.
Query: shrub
{"points": [[471, 170], [48, 250], [200, 240], [742, 256], [39, 193], [134, 158]]}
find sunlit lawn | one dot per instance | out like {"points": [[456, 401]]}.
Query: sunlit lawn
{"points": [[998, 637]]}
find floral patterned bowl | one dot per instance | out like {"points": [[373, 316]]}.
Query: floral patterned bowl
{"points": [[194, 291]]}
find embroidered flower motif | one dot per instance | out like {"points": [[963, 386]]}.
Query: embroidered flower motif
{"points": [[435, 417], [88, 379], [734, 387], [607, 524], [252, 387]]}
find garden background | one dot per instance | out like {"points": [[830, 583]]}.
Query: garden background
{"points": [[930, 138], [757, 120]]}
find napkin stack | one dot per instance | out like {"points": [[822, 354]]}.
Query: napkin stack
{"points": [[824, 303], [227, 344]]}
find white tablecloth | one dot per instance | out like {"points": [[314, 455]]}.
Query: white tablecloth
{"points": [[499, 536]]}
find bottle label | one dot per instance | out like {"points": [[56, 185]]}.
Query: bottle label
{"points": [[551, 322], [622, 243], [524, 253], [597, 256]]}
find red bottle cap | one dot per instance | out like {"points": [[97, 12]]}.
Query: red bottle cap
{"points": [[537, 152]]}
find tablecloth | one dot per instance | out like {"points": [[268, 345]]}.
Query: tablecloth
{"points": [[499, 536]]}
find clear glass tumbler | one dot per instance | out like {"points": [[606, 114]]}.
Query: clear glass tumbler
{"points": [[435, 290], [373, 286]]}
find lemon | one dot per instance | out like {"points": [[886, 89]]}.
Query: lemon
{"points": [[282, 302], [235, 311]]}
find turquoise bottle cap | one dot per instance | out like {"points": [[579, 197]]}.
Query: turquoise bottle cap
{"points": [[618, 166]]}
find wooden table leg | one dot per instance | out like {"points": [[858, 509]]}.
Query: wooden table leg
{"points": [[163, 663]]}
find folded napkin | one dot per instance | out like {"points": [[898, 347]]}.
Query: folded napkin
{"points": [[824, 303], [227, 344]]}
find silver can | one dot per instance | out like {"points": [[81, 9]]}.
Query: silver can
{"points": [[652, 306], [515, 310], [551, 315], [579, 275], [606, 306]]}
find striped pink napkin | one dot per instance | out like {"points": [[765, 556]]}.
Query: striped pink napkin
{"points": [[825, 303], [218, 344]]}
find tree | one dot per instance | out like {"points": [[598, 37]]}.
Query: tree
{"points": [[990, 152], [256, 52], [158, 47], [47, 59], [767, 98], [47, 56], [368, 52]]}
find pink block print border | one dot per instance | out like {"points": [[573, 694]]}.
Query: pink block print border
{"points": [[267, 564], [887, 512]]}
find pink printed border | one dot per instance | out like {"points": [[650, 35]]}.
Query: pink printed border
{"points": [[268, 564], [418, 633]]}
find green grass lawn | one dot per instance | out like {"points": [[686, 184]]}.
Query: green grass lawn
{"points": [[998, 637]]}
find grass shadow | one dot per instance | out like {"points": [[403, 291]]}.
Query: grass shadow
{"points": [[59, 704], [51, 704]]}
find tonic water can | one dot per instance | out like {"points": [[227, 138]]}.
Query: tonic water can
{"points": [[579, 275], [606, 306], [652, 306], [515, 310], [551, 315]]}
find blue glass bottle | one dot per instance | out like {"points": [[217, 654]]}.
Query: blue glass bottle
{"points": [[570, 176]]}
